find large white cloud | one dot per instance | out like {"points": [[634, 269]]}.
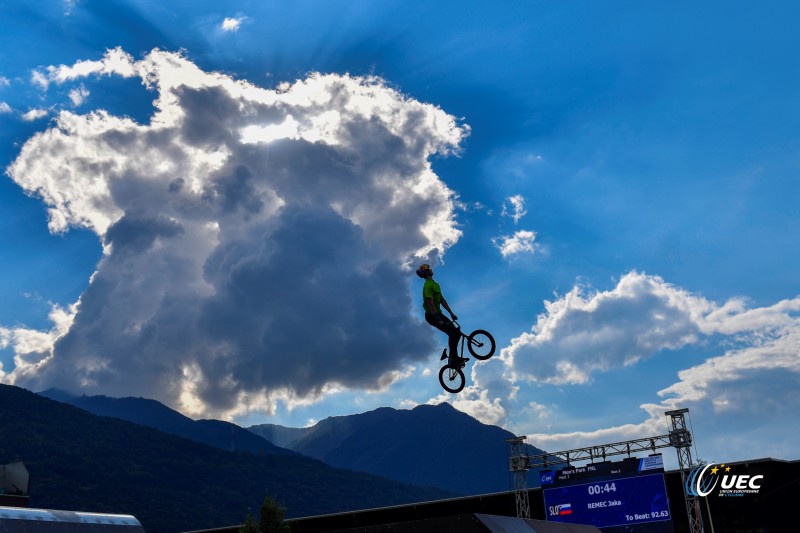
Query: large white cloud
{"points": [[742, 404], [255, 240], [742, 399], [580, 334]]}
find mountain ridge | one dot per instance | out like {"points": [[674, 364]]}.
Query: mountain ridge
{"points": [[409, 446], [406, 445], [81, 461], [152, 413]]}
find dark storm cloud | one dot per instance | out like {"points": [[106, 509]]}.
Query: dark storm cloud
{"points": [[310, 306], [243, 266], [134, 234]]}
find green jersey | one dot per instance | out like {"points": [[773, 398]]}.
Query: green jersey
{"points": [[431, 290]]}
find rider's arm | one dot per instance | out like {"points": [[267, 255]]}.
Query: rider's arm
{"points": [[444, 304]]}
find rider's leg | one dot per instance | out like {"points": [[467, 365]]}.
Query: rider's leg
{"points": [[453, 333], [429, 319], [453, 338]]}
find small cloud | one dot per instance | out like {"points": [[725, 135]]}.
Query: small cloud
{"points": [[114, 61], [407, 404], [521, 241], [4, 82], [232, 24], [514, 207], [4, 108], [540, 411], [39, 79], [473, 207], [69, 5], [78, 96], [34, 114], [477, 403]]}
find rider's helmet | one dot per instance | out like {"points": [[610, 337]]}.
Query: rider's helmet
{"points": [[424, 270]]}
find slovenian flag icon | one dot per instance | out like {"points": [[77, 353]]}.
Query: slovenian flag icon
{"points": [[565, 508]]}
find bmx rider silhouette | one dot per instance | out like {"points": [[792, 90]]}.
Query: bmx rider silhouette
{"points": [[432, 302]]}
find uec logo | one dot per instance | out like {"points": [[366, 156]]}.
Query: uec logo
{"points": [[703, 479]]}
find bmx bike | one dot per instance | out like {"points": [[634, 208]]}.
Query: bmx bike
{"points": [[480, 344]]}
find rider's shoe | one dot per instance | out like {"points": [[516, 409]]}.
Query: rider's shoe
{"points": [[444, 355]]}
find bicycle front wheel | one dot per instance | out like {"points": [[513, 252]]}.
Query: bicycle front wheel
{"points": [[480, 344], [451, 379]]}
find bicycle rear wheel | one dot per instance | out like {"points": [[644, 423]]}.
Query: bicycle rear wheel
{"points": [[480, 344], [451, 379]]}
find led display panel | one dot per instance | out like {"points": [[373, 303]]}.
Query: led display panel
{"points": [[628, 495]]}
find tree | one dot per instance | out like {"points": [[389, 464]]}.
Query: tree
{"points": [[249, 525], [272, 517]]}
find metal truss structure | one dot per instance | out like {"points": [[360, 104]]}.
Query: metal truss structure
{"points": [[681, 440], [517, 460]]}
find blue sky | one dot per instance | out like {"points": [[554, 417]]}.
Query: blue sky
{"points": [[219, 207]]}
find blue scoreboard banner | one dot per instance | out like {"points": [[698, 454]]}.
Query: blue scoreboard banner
{"points": [[629, 495]]}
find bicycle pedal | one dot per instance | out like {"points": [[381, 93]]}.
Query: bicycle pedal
{"points": [[444, 355]]}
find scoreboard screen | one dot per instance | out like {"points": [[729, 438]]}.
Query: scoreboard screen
{"points": [[629, 495]]}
